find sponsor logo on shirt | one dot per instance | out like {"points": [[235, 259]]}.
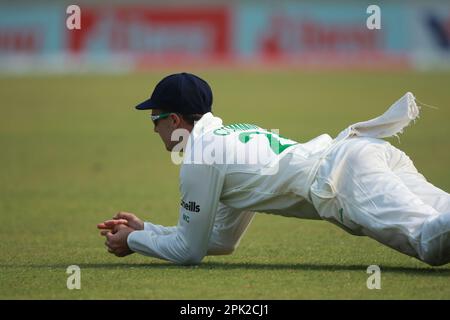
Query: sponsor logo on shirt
{"points": [[190, 206]]}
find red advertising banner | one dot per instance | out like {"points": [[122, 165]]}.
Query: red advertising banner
{"points": [[151, 31], [285, 35]]}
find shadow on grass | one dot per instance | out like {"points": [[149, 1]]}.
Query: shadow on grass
{"points": [[426, 271]]}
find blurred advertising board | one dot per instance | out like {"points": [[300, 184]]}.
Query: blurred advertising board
{"points": [[318, 35], [305, 34]]}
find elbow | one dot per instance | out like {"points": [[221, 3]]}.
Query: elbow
{"points": [[221, 250], [226, 250], [191, 258], [228, 246]]}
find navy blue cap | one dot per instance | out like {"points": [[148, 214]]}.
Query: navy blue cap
{"points": [[183, 93]]}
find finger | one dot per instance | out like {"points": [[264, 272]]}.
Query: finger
{"points": [[123, 215], [110, 250], [116, 221], [109, 236], [119, 227], [105, 232], [102, 226], [109, 224]]}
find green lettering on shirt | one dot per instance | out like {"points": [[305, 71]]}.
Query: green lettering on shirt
{"points": [[274, 140]]}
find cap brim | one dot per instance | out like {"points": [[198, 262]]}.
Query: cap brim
{"points": [[147, 104]]}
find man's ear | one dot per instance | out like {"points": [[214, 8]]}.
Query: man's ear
{"points": [[175, 120]]}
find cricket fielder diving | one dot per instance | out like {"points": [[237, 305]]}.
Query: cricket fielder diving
{"points": [[357, 181]]}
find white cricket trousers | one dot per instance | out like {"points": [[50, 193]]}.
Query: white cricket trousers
{"points": [[369, 187]]}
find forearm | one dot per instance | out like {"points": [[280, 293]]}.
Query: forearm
{"points": [[171, 247], [159, 229]]}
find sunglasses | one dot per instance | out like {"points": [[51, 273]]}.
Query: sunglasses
{"points": [[156, 117]]}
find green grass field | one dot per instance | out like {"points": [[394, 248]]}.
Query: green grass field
{"points": [[74, 152]]}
